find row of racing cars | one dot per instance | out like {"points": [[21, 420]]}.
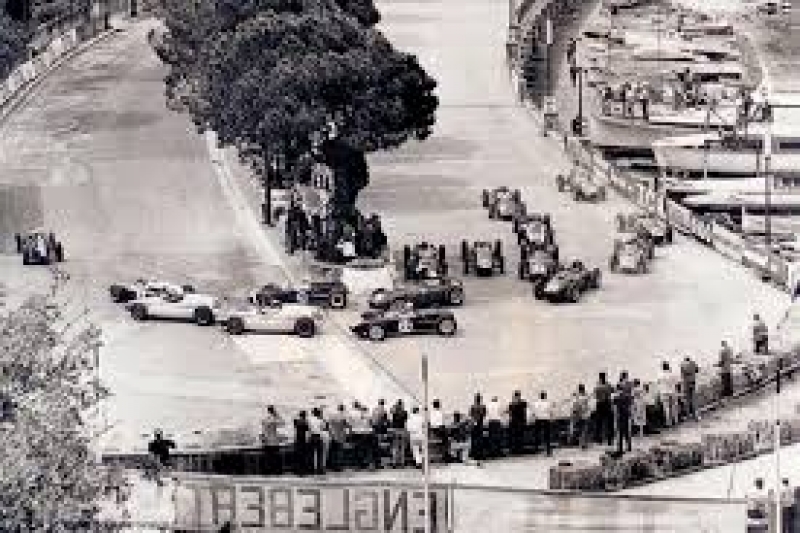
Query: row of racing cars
{"points": [[405, 310]]}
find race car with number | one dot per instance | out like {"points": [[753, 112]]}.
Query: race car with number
{"points": [[538, 264], [535, 229], [569, 283], [424, 260], [39, 248], [502, 203], [632, 254], [202, 309], [331, 294], [141, 288], [404, 320], [424, 294], [483, 258]]}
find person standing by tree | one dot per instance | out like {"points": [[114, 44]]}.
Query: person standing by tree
{"points": [[400, 437], [339, 428], [623, 400], [494, 418], [380, 428], [517, 422], [477, 414], [666, 396], [317, 431], [302, 458], [416, 430], [604, 411], [542, 411], [270, 439], [689, 370], [725, 370], [580, 417], [639, 413]]}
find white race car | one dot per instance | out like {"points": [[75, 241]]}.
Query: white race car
{"points": [[123, 293], [276, 317], [202, 309]]}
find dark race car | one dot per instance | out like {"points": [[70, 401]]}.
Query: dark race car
{"points": [[538, 264], [502, 203], [582, 185], [331, 294], [536, 229], [483, 258], [649, 224], [405, 320], [423, 261], [433, 292], [569, 283], [39, 248]]}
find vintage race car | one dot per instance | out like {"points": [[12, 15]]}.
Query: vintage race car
{"points": [[405, 320], [331, 294], [631, 255], [535, 229], [482, 258], [275, 317], [202, 309], [433, 292], [502, 203], [423, 261], [582, 185], [569, 283], [657, 229], [39, 248], [538, 263], [141, 288]]}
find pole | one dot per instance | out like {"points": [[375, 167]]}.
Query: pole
{"points": [[777, 436], [768, 191], [549, 49], [426, 443], [269, 169], [580, 97]]}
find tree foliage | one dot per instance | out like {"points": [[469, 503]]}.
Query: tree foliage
{"points": [[14, 37], [49, 474], [270, 75]]}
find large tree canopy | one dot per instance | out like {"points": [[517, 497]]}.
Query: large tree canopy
{"points": [[14, 37], [270, 75]]}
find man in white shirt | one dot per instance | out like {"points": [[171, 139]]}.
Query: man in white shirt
{"points": [[415, 425], [666, 391], [542, 412], [494, 425], [438, 428]]}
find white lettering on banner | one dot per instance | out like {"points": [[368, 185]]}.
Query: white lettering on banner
{"points": [[259, 505]]}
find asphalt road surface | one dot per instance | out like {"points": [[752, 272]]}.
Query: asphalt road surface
{"points": [[691, 300]]}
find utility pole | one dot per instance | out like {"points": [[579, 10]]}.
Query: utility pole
{"points": [[768, 182], [549, 50], [426, 443]]}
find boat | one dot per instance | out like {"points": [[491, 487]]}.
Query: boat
{"points": [[730, 154]]}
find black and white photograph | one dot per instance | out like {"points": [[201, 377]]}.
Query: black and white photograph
{"points": [[401, 266]]}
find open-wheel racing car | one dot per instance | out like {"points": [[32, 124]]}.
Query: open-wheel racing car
{"points": [[483, 258], [424, 260], [424, 294], [538, 263], [580, 183], [569, 283], [502, 203], [403, 319], [202, 309], [331, 294], [141, 288], [655, 228], [535, 229], [632, 254], [275, 317], [39, 248]]}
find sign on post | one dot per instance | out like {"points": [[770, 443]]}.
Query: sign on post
{"points": [[251, 504]]}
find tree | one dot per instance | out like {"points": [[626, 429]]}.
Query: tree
{"points": [[50, 480], [14, 36]]}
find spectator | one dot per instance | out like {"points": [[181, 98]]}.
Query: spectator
{"points": [[517, 421], [416, 431], [437, 426], [339, 428], [271, 442], [787, 507], [758, 503], [644, 100], [380, 428], [639, 413], [459, 438], [623, 400], [362, 436], [689, 370], [666, 393], [494, 417], [604, 412], [580, 417], [652, 410], [542, 411], [725, 370], [159, 448], [760, 336], [477, 415], [317, 438], [399, 434], [301, 448]]}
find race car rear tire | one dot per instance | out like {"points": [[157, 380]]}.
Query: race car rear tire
{"points": [[234, 326], [597, 277], [139, 313], [305, 328], [538, 288], [338, 300], [456, 297], [18, 240], [446, 327], [376, 332], [485, 198], [203, 316]]}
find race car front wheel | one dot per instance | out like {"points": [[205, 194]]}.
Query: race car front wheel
{"points": [[305, 328], [338, 300], [446, 327], [234, 326], [203, 316], [376, 332], [139, 312]]}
